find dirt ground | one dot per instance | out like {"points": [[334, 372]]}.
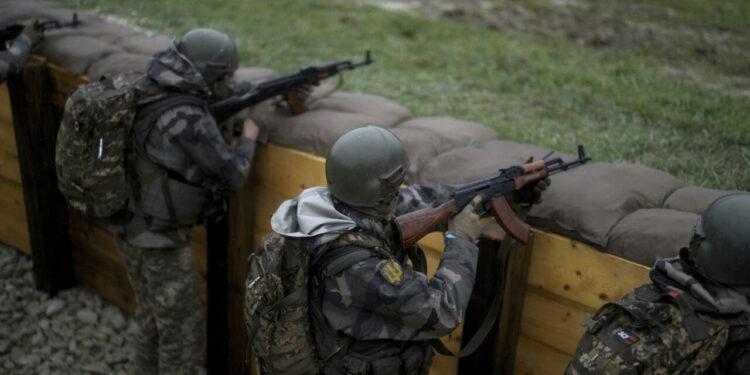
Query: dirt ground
{"points": [[621, 25]]}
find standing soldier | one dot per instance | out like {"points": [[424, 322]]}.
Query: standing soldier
{"points": [[183, 170], [370, 311], [695, 316], [13, 58]]}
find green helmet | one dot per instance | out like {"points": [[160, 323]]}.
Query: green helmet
{"points": [[720, 246], [212, 52], [365, 168]]}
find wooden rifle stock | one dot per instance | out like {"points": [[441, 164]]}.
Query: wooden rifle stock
{"points": [[417, 224]]}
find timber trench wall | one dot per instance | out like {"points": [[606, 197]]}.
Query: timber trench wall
{"points": [[598, 228]]}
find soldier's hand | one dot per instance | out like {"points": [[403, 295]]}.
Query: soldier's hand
{"points": [[466, 223], [250, 129], [304, 92], [532, 193], [34, 31]]}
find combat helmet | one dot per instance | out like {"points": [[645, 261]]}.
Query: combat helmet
{"points": [[212, 52], [365, 168], [720, 246]]}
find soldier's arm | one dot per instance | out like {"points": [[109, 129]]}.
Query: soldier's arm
{"points": [[195, 132], [13, 59], [382, 299]]}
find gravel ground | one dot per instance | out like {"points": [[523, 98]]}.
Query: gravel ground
{"points": [[76, 332]]}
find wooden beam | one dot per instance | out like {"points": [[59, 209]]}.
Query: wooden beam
{"points": [[35, 122], [217, 231]]}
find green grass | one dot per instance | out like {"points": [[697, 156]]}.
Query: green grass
{"points": [[622, 104]]}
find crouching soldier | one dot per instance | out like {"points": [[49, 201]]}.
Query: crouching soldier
{"points": [[370, 311], [695, 316]]}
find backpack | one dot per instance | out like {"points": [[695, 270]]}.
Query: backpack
{"points": [[277, 307], [94, 141], [651, 332]]}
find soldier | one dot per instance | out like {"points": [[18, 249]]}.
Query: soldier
{"points": [[371, 312], [13, 59], [184, 169], [695, 316]]}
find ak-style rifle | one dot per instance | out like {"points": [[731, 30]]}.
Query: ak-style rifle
{"points": [[417, 224], [11, 32], [287, 86]]}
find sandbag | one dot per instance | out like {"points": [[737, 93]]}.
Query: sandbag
{"points": [[459, 133], [466, 164], [75, 53], [144, 45], [315, 131], [421, 146], [645, 234], [118, 63], [586, 202], [694, 199], [387, 112], [254, 74]]}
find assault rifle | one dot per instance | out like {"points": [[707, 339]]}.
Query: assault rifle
{"points": [[286, 86], [415, 225], [11, 32]]}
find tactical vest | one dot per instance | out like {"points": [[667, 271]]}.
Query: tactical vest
{"points": [[651, 331], [342, 354], [287, 331]]}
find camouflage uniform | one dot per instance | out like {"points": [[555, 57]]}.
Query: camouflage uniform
{"points": [[13, 59], [680, 324], [379, 312], [183, 170]]}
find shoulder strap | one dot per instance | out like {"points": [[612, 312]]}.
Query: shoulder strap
{"points": [[501, 262]]}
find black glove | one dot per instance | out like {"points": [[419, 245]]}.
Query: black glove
{"points": [[532, 193]]}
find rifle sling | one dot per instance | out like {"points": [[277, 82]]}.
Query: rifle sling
{"points": [[501, 262]]}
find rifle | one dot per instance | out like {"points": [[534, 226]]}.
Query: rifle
{"points": [[415, 225], [286, 85], [11, 32]]}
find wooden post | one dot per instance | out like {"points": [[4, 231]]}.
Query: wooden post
{"points": [[35, 122], [480, 362], [509, 324], [217, 234]]}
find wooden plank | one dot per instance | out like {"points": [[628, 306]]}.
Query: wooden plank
{"points": [[35, 123], [534, 358], [580, 273], [63, 83], [288, 171], [552, 320], [6, 115], [9, 168], [13, 229]]}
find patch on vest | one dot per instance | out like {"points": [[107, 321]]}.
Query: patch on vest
{"points": [[628, 338], [392, 272]]}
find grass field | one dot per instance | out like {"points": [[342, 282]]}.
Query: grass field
{"points": [[673, 94]]}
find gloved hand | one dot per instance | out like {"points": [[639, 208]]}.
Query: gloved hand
{"points": [[532, 193], [304, 92], [33, 30], [466, 224]]}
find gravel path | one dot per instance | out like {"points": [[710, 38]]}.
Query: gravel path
{"points": [[74, 333]]}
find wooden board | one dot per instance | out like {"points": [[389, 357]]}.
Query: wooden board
{"points": [[577, 272], [13, 229], [552, 320], [535, 358]]}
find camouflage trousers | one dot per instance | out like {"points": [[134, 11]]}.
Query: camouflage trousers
{"points": [[171, 330]]}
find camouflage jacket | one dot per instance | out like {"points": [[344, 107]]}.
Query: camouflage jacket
{"points": [[381, 304], [184, 154], [12, 59]]}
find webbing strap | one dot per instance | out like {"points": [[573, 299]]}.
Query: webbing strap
{"points": [[501, 261]]}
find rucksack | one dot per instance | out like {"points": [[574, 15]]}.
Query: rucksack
{"points": [[277, 305], [94, 141], [651, 331]]}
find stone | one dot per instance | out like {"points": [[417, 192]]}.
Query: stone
{"points": [[87, 316], [97, 368], [54, 306]]}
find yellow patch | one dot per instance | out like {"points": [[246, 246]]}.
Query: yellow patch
{"points": [[392, 272]]}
